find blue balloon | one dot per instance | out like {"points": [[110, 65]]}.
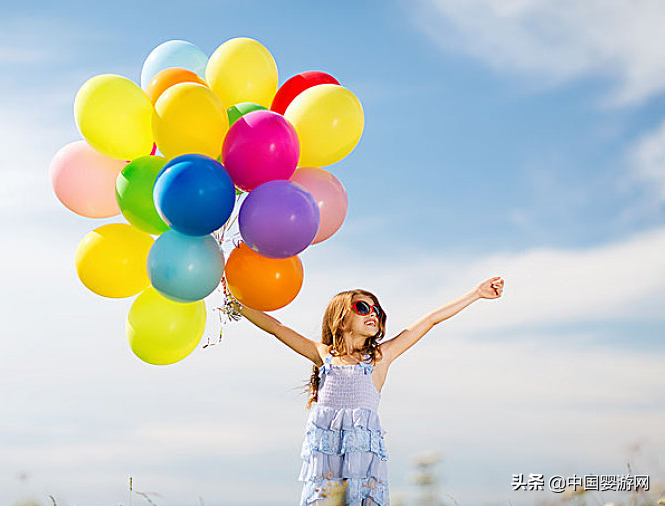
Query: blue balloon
{"points": [[185, 268], [194, 194], [173, 53]]}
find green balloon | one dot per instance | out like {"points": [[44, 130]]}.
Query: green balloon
{"points": [[235, 112], [133, 191]]}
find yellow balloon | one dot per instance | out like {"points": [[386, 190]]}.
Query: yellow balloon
{"points": [[189, 118], [114, 116], [242, 70], [161, 331], [329, 121], [112, 260]]}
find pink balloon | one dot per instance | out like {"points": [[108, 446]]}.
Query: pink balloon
{"points": [[261, 146], [84, 180], [329, 195]]}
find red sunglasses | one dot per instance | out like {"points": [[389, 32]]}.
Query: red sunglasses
{"points": [[363, 308]]}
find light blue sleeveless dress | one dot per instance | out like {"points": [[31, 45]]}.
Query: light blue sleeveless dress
{"points": [[344, 439]]}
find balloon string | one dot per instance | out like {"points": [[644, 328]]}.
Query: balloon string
{"points": [[230, 309], [219, 234], [236, 210]]}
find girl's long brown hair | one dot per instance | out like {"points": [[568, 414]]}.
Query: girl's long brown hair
{"points": [[331, 334]]}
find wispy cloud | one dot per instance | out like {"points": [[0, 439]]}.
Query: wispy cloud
{"points": [[544, 286], [34, 43], [556, 42], [647, 158]]}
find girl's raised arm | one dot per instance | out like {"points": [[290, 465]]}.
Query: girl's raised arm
{"points": [[490, 289], [306, 347]]}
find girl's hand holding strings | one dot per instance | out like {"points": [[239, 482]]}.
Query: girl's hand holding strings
{"points": [[491, 288]]}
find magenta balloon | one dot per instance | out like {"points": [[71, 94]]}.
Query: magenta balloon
{"points": [[278, 219], [84, 180], [261, 146], [329, 195]]}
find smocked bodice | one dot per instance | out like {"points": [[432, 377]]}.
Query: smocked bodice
{"points": [[347, 386]]}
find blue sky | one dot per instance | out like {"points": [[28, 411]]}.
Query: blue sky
{"points": [[524, 139]]}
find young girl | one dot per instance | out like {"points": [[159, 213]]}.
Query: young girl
{"points": [[344, 450]]}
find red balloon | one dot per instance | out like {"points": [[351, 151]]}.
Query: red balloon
{"points": [[296, 85]]}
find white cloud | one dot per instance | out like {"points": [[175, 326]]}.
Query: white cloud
{"points": [[73, 390], [544, 286], [648, 161], [12, 56], [46, 40], [528, 406], [556, 42]]}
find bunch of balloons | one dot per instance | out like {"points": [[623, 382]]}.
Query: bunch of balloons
{"points": [[202, 139]]}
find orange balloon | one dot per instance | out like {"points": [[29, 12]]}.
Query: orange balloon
{"points": [[167, 78], [263, 283]]}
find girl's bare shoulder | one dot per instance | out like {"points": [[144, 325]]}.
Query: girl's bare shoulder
{"points": [[380, 358], [323, 349]]}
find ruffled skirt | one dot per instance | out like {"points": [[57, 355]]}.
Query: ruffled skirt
{"points": [[344, 458]]}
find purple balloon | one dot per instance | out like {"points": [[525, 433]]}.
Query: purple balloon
{"points": [[261, 146], [278, 219]]}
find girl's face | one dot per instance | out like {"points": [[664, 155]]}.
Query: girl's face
{"points": [[361, 326]]}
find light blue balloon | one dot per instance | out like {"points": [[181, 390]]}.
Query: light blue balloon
{"points": [[184, 268], [173, 53]]}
